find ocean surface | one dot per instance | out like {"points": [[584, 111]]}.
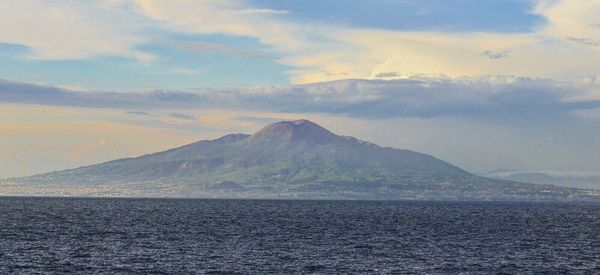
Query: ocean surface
{"points": [[87, 235]]}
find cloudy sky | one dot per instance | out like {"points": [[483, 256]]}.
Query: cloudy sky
{"points": [[486, 85]]}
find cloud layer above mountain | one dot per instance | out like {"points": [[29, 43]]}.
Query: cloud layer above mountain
{"points": [[507, 98]]}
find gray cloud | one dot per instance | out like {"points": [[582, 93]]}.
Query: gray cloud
{"points": [[585, 41], [182, 116], [387, 74], [260, 120], [204, 47], [503, 100], [337, 74], [16, 92], [140, 113], [496, 55]]}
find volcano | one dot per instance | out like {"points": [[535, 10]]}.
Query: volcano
{"points": [[288, 159]]}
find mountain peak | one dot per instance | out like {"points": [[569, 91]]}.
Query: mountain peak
{"points": [[301, 122], [293, 131]]}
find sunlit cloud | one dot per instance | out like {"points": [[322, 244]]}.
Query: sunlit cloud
{"points": [[337, 52], [313, 51]]}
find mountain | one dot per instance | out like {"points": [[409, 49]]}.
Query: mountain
{"points": [[289, 159]]}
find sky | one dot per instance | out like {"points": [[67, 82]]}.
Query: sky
{"points": [[485, 85]]}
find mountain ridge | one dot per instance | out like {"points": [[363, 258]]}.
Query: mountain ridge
{"points": [[287, 159]]}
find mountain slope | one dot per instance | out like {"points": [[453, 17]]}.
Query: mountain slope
{"points": [[578, 179], [285, 159]]}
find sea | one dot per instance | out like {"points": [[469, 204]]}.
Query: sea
{"points": [[198, 236]]}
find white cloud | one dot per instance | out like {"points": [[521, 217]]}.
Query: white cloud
{"points": [[570, 18], [72, 30], [322, 53], [563, 48], [229, 17]]}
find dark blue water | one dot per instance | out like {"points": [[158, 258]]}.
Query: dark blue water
{"points": [[54, 235]]}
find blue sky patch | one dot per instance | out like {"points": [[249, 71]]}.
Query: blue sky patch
{"points": [[422, 15]]}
